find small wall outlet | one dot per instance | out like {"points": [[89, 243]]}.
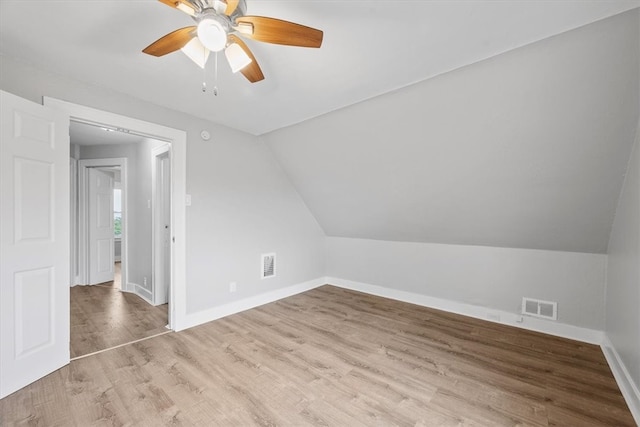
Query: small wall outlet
{"points": [[233, 286], [144, 280]]}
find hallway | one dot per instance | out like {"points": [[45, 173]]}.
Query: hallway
{"points": [[103, 317]]}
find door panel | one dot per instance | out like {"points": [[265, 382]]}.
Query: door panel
{"points": [[34, 242], [101, 240], [166, 238], [105, 249], [34, 318], [33, 201], [161, 177]]}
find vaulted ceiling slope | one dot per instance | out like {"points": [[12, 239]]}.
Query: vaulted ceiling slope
{"points": [[370, 47], [527, 149]]}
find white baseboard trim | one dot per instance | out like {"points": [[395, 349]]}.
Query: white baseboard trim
{"points": [[143, 293], [627, 386], [497, 316], [204, 316]]}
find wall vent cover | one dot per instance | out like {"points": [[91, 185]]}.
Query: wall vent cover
{"points": [[268, 265], [540, 308]]}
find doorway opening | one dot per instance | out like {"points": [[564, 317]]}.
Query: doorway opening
{"points": [[122, 300], [117, 231], [98, 244], [161, 223], [177, 140]]}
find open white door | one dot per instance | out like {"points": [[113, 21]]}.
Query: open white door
{"points": [[166, 219], [34, 242], [101, 233], [161, 183]]}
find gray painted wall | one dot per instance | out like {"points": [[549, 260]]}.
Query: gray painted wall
{"points": [[138, 194], [496, 278], [540, 134], [243, 204], [526, 149], [623, 272]]}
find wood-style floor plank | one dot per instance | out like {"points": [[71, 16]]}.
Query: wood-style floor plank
{"points": [[103, 317], [332, 357]]}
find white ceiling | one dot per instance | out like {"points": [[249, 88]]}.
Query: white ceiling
{"points": [[370, 48], [497, 123], [87, 134], [527, 149]]}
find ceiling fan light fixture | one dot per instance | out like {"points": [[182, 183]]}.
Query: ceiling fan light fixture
{"points": [[244, 28], [196, 52], [219, 25], [219, 6], [237, 57], [212, 34], [186, 8]]}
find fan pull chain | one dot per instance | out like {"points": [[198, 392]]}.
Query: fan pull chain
{"points": [[215, 80]]}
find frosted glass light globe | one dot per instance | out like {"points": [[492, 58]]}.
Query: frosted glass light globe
{"points": [[212, 35]]}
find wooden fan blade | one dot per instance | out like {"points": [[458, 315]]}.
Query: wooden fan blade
{"points": [[171, 3], [171, 42], [252, 72], [231, 7], [277, 31]]}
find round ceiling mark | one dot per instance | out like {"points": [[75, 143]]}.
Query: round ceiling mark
{"points": [[205, 135]]}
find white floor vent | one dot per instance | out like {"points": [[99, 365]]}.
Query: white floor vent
{"points": [[539, 308], [268, 265]]}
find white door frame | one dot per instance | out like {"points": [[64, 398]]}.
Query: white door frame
{"points": [[73, 217], [83, 217], [156, 227], [178, 140]]}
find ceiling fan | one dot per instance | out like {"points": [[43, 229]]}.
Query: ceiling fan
{"points": [[219, 25]]}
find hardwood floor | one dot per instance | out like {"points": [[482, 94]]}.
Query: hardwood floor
{"points": [[116, 283], [103, 317], [332, 357]]}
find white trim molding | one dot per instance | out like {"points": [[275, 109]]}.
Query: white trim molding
{"points": [[73, 221], [563, 330], [141, 291], [178, 140], [625, 383], [629, 389], [238, 306], [83, 217], [157, 261], [497, 316]]}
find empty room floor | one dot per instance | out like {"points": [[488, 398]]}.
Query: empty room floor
{"points": [[103, 317], [332, 357]]}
